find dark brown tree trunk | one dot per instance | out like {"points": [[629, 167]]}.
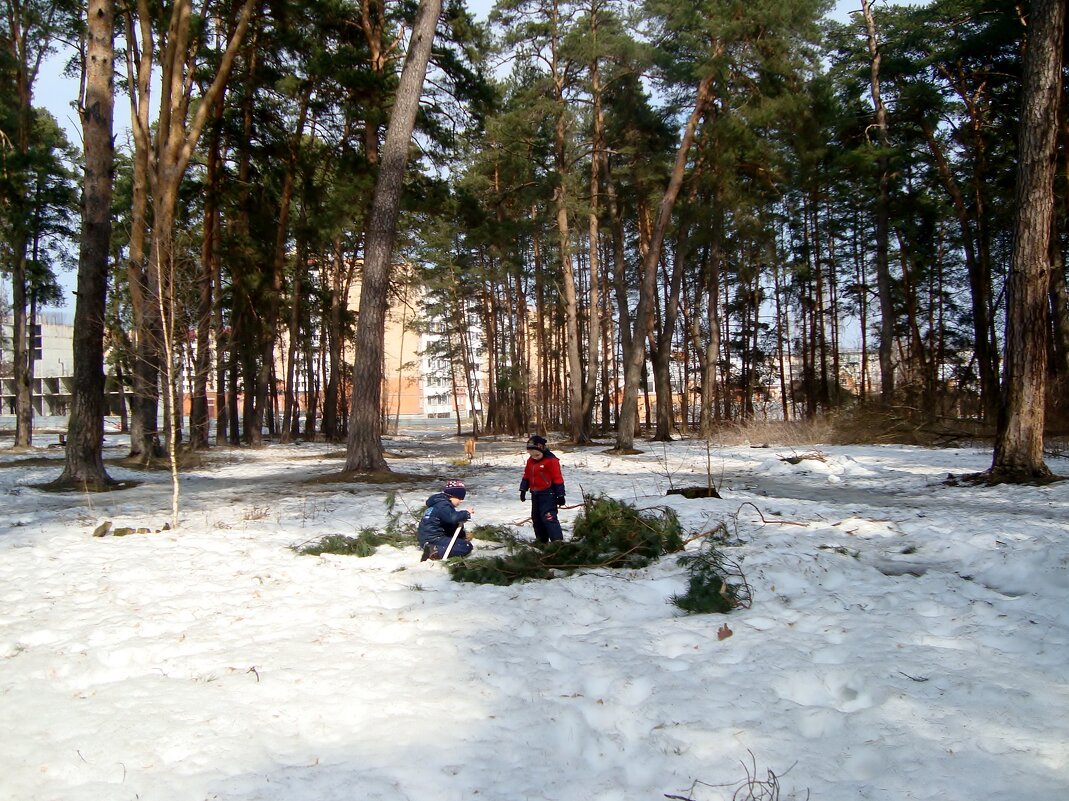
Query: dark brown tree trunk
{"points": [[291, 411], [270, 305], [84, 465], [22, 351], [883, 268], [198, 415], [1019, 440], [593, 234], [917, 362], [562, 165], [175, 139], [861, 277], [820, 331], [608, 354], [233, 416], [364, 451], [661, 355], [312, 385], [334, 333], [710, 349], [979, 284], [782, 337], [1059, 304], [21, 41], [635, 360], [139, 68], [542, 388]]}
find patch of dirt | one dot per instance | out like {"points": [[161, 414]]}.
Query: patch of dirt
{"points": [[81, 486], [32, 461], [694, 492], [187, 460], [625, 452], [993, 478]]}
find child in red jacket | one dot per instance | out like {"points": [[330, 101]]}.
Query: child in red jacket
{"points": [[543, 479]]}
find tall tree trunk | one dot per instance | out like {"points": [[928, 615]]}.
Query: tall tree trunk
{"points": [[710, 349], [269, 312], [662, 351], [542, 345], [820, 331], [979, 284], [1019, 440], [636, 359], [1059, 304], [27, 39], [562, 165], [782, 337], [84, 465], [176, 137], [21, 349], [338, 298], [139, 71], [861, 278], [883, 268], [364, 451], [291, 411], [313, 382], [975, 100], [206, 284], [593, 236]]}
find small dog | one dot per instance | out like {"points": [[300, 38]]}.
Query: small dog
{"points": [[469, 449]]}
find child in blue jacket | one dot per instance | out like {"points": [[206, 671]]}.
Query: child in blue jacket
{"points": [[442, 520]]}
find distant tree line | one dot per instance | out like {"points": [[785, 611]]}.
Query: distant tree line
{"points": [[670, 205]]}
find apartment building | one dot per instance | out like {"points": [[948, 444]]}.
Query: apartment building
{"points": [[53, 366]]}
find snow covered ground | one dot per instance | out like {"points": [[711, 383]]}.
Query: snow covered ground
{"points": [[907, 639]]}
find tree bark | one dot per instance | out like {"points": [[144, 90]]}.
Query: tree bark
{"points": [[206, 287], [661, 354], [636, 357], [883, 268], [364, 451], [85, 429], [1019, 440], [979, 283], [176, 137], [562, 165], [593, 233], [269, 312], [27, 40]]}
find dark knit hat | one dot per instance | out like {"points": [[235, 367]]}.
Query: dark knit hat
{"points": [[537, 443], [455, 489]]}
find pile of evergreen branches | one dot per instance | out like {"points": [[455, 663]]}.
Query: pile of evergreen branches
{"points": [[607, 533], [716, 583], [490, 532], [400, 532], [363, 544]]}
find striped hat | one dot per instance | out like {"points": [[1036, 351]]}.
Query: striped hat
{"points": [[454, 488]]}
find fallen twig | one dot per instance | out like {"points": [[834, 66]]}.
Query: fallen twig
{"points": [[919, 679], [764, 520]]}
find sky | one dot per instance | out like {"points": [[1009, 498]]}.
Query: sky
{"points": [[907, 639]]}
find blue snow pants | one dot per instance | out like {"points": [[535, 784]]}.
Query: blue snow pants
{"points": [[460, 548], [544, 517]]}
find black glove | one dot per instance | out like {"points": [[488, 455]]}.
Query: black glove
{"points": [[523, 495], [560, 500]]}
